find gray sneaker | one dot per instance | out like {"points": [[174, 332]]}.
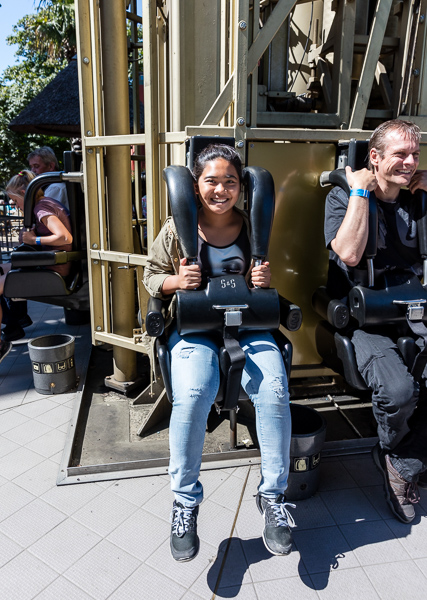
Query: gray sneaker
{"points": [[184, 540], [278, 522], [401, 495]]}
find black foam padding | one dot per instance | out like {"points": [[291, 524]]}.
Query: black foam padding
{"points": [[34, 283], [32, 189], [42, 258], [346, 353], [378, 307], [260, 187], [196, 310], [183, 203], [358, 154], [154, 319], [333, 310]]}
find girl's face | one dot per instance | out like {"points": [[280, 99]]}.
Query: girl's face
{"points": [[218, 186], [18, 197]]}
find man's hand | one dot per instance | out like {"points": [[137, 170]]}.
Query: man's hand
{"points": [[361, 180], [418, 181], [261, 275]]}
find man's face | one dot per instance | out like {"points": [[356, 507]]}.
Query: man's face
{"points": [[399, 162], [38, 166]]}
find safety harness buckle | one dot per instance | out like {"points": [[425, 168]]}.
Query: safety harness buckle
{"points": [[414, 310]]}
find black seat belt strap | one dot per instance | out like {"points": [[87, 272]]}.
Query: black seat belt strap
{"points": [[237, 363], [420, 361]]}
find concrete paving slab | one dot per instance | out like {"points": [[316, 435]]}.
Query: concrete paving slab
{"points": [[397, 580], [141, 534], [349, 506], [295, 587], [349, 584], [102, 570], [324, 550], [15, 586], [152, 583], [104, 513], [62, 589], [374, 543], [31, 522], [64, 545]]}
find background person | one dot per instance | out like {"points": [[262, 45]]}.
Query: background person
{"points": [[43, 160], [223, 248]]}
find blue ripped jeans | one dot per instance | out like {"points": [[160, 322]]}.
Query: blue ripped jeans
{"points": [[195, 382]]}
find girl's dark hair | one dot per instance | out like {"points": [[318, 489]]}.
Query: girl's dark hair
{"points": [[214, 151]]}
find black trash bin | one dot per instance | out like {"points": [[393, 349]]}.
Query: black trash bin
{"points": [[308, 436], [52, 358]]}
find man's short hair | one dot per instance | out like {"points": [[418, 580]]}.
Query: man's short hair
{"points": [[46, 155], [378, 139]]}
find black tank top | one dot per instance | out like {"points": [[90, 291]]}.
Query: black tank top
{"points": [[233, 259]]}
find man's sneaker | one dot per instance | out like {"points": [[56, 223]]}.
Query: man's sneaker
{"points": [[5, 348], [184, 539], [422, 481], [401, 495], [278, 521]]}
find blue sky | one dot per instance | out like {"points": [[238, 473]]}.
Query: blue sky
{"points": [[10, 13]]}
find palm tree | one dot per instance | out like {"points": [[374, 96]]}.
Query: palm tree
{"points": [[54, 29]]}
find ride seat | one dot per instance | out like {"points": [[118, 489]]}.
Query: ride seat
{"points": [[28, 277]]}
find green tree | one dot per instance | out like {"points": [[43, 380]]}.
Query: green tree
{"points": [[46, 42]]}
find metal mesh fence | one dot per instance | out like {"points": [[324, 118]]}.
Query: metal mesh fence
{"points": [[11, 222]]}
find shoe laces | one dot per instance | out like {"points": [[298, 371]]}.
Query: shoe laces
{"points": [[281, 514], [183, 519], [411, 493]]}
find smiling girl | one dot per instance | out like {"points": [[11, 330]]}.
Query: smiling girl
{"points": [[223, 247]]}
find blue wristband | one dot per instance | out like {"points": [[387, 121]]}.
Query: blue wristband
{"points": [[362, 193], [38, 241]]}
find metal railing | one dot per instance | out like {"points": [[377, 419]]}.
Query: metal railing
{"points": [[11, 222]]}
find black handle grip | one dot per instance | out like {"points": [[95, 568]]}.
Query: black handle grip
{"points": [[183, 203], [371, 244], [422, 223], [260, 186], [336, 177]]}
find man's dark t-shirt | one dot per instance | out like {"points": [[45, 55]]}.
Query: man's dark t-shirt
{"points": [[397, 241]]}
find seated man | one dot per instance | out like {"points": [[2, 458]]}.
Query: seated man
{"points": [[401, 454], [43, 160]]}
